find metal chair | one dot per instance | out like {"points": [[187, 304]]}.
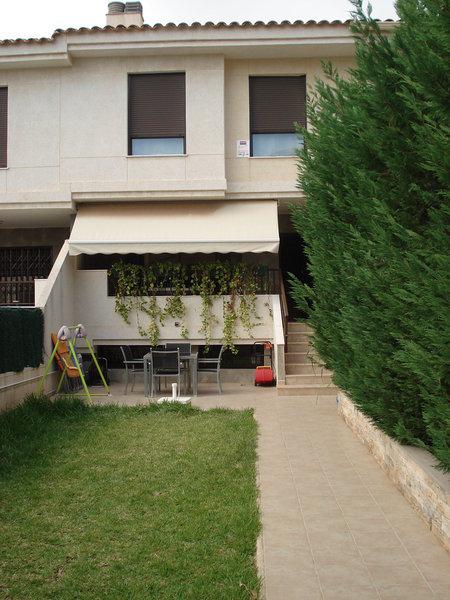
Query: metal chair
{"points": [[185, 349], [211, 364], [165, 363], [132, 366]]}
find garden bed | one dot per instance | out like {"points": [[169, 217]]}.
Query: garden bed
{"points": [[109, 502]]}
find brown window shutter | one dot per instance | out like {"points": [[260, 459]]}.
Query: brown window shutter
{"points": [[157, 105], [3, 127], [276, 103]]}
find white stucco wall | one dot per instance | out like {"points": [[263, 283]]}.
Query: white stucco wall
{"points": [[55, 295], [67, 132], [95, 309]]}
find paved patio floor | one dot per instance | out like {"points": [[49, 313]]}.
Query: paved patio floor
{"points": [[334, 526]]}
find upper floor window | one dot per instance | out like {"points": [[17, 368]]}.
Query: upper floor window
{"points": [[276, 103], [3, 126], [157, 114]]}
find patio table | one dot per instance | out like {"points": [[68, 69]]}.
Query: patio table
{"points": [[190, 359]]}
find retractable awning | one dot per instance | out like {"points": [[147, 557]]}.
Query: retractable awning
{"points": [[176, 227]]}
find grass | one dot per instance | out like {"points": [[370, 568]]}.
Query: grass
{"points": [[136, 503]]}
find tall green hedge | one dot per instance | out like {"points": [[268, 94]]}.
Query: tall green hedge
{"points": [[21, 338], [375, 171]]}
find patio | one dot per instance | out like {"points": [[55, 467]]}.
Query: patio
{"points": [[334, 525]]}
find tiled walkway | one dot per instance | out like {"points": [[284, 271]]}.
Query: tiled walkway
{"points": [[334, 526]]}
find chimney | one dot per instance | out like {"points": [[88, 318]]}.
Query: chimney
{"points": [[124, 13]]}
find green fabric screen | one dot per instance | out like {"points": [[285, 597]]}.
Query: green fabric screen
{"points": [[21, 338]]}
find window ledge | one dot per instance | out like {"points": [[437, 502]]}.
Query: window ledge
{"points": [[4, 168], [156, 155], [277, 157]]}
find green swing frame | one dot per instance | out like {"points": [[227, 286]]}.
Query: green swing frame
{"points": [[72, 346]]}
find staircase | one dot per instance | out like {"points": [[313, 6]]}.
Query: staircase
{"points": [[303, 376]]}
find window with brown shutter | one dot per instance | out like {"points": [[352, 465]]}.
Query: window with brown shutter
{"points": [[156, 113], [3, 127], [276, 103]]}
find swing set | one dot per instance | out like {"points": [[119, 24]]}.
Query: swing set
{"points": [[64, 351]]}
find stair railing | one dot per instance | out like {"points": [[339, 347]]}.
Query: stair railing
{"points": [[284, 311]]}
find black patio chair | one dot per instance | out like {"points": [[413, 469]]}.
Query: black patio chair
{"points": [[211, 364], [132, 366], [165, 363]]}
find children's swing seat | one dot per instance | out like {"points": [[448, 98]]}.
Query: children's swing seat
{"points": [[72, 375], [64, 344]]}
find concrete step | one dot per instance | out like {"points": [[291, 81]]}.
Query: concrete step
{"points": [[305, 369], [307, 390], [298, 338], [299, 358], [298, 346], [303, 379], [295, 327]]}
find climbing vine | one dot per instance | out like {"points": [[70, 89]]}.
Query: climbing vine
{"points": [[137, 288], [204, 285]]}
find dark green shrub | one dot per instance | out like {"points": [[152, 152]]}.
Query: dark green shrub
{"points": [[21, 338], [375, 173]]}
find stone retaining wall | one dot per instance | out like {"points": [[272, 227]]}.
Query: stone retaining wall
{"points": [[15, 386], [411, 469]]}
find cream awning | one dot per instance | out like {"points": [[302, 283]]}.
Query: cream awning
{"points": [[173, 227]]}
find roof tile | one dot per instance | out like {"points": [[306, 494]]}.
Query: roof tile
{"points": [[196, 25]]}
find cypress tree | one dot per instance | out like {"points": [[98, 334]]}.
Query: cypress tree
{"points": [[375, 173]]}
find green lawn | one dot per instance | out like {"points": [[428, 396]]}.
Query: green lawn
{"points": [[127, 503]]}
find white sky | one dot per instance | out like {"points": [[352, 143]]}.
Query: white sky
{"points": [[39, 18]]}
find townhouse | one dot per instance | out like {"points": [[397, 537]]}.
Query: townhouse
{"points": [[168, 142]]}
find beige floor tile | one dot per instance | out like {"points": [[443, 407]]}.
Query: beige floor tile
{"points": [[350, 591], [303, 587], [394, 556], [316, 493], [411, 529], [305, 481], [295, 557], [332, 512], [437, 573], [348, 556], [406, 592], [359, 503], [377, 540], [368, 523], [280, 519], [291, 578], [312, 505], [387, 576], [326, 522], [442, 592], [346, 576], [333, 539], [345, 488]]}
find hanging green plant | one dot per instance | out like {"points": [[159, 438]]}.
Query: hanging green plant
{"points": [[203, 285], [177, 279], [128, 281], [155, 315], [137, 288], [247, 311], [230, 318]]}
